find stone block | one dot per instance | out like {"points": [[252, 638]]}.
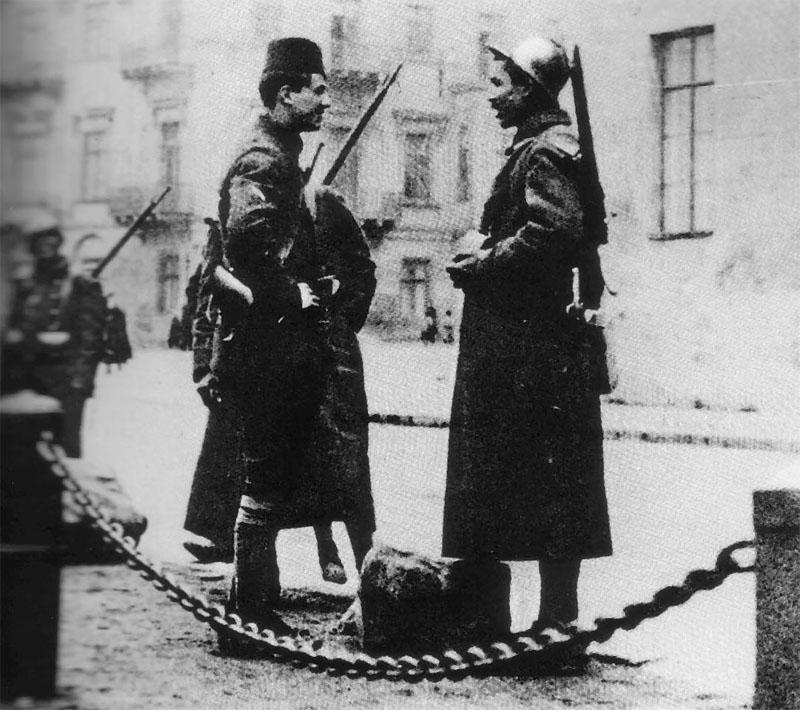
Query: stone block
{"points": [[83, 542], [411, 603]]}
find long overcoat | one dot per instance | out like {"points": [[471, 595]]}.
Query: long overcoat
{"points": [[293, 375], [525, 461]]}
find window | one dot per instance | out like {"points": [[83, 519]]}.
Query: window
{"points": [[170, 155], [168, 283], [344, 42], [97, 30], [420, 32], [464, 184], [415, 288], [31, 40], [94, 179], [686, 69], [417, 178], [31, 158], [170, 30]]}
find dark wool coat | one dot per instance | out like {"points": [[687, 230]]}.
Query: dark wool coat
{"points": [[525, 461], [294, 376]]}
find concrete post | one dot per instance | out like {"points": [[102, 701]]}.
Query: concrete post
{"points": [[776, 517], [30, 515]]}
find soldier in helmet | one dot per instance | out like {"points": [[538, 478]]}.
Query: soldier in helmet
{"points": [[525, 462]]}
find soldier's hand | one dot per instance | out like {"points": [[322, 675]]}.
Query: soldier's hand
{"points": [[209, 392], [463, 267], [308, 299]]}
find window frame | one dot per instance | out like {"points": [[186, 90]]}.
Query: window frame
{"points": [[96, 189], [97, 42], [169, 277], [661, 44], [418, 200], [410, 283], [420, 26]]}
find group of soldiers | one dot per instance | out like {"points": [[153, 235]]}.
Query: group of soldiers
{"points": [[286, 285]]}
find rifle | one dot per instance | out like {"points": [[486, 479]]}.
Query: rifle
{"points": [[358, 129], [595, 227], [131, 230]]}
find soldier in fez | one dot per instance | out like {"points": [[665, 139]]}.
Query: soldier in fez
{"points": [[525, 462], [276, 362], [55, 336]]}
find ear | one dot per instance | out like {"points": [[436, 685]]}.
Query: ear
{"points": [[285, 94]]}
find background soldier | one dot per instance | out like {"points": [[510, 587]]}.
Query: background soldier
{"points": [[525, 463], [277, 362], [56, 329]]}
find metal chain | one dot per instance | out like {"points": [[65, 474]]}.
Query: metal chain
{"points": [[454, 663]]}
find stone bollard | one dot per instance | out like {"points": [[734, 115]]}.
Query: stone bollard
{"points": [[30, 522], [776, 517]]}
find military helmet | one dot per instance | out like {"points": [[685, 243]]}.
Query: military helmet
{"points": [[544, 60]]}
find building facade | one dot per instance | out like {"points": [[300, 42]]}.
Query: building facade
{"points": [[694, 117]]}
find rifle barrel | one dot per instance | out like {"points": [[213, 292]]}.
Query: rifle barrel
{"points": [[358, 129], [129, 233]]}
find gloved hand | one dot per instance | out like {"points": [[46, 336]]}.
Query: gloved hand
{"points": [[308, 298], [464, 267], [209, 391]]}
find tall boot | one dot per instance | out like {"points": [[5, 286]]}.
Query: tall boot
{"points": [[558, 604], [360, 540], [329, 561], [256, 586]]}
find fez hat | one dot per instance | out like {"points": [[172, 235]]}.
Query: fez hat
{"points": [[293, 55], [543, 60]]}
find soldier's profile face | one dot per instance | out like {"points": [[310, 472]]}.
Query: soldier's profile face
{"points": [[507, 98], [308, 106]]}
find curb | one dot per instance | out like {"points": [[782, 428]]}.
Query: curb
{"points": [[621, 434]]}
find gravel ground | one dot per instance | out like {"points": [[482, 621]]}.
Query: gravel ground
{"points": [[126, 647]]}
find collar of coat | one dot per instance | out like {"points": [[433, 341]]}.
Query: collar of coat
{"points": [[289, 140], [535, 124]]}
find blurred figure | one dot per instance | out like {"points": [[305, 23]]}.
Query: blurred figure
{"points": [[430, 330], [117, 346], [54, 341], [448, 328]]}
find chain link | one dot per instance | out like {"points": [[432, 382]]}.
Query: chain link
{"points": [[451, 663]]}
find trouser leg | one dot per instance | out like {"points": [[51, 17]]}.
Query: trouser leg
{"points": [[256, 586], [360, 539], [72, 405], [559, 593], [329, 561]]}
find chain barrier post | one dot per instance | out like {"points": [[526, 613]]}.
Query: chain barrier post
{"points": [[30, 522], [776, 517]]}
